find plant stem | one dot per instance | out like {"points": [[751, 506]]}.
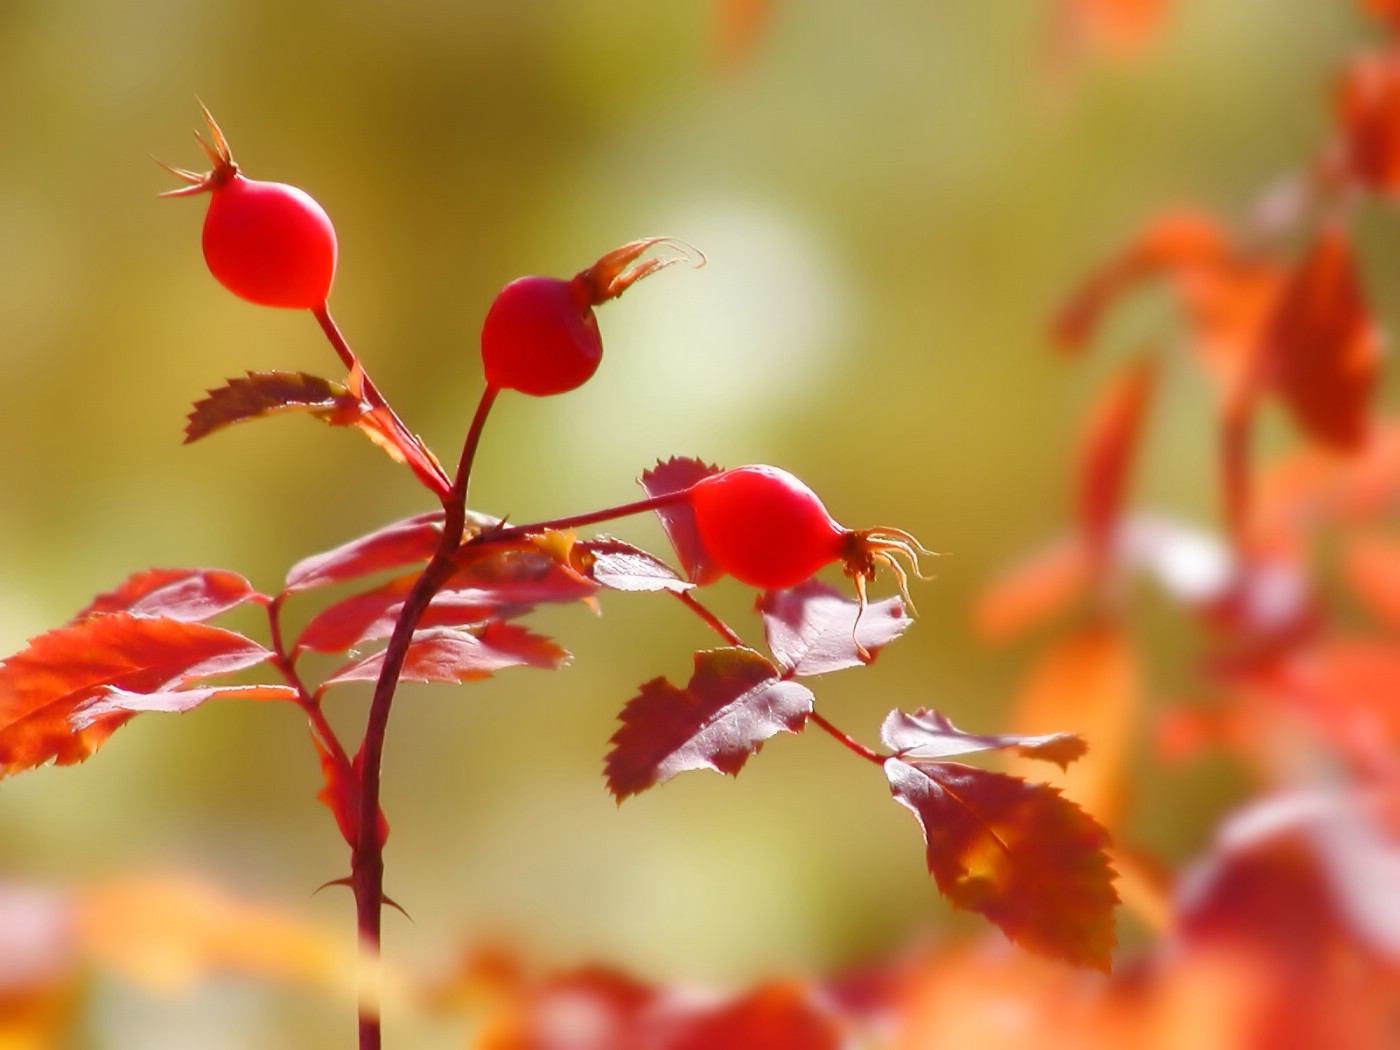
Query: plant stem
{"points": [[367, 861], [511, 533], [848, 741], [414, 452]]}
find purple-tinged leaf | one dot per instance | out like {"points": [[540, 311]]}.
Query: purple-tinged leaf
{"points": [[400, 543], [734, 701], [114, 700], [266, 393], [188, 595], [813, 629], [928, 734], [1019, 853], [455, 655], [676, 474], [620, 566]]}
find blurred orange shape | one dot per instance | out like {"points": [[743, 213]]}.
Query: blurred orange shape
{"points": [[1372, 567], [1089, 683], [1107, 449], [1033, 590], [1368, 109]]}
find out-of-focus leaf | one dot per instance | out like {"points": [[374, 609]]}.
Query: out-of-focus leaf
{"points": [[813, 629], [41, 685], [1181, 244], [675, 474], [193, 595], [1368, 112], [1386, 10], [928, 734], [265, 393], [1324, 349], [1032, 590], [1089, 683], [341, 795], [1107, 449], [739, 24], [454, 655], [400, 543], [1018, 853], [779, 1015], [1116, 28], [620, 566], [734, 701], [1372, 567], [114, 700]]}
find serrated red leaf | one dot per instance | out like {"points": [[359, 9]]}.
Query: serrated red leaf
{"points": [[399, 543], [115, 700], [1019, 853], [191, 595], [41, 685], [674, 475], [928, 734], [734, 701], [1324, 347], [620, 566], [371, 615], [266, 393], [813, 629], [454, 655], [1107, 449], [341, 795]]}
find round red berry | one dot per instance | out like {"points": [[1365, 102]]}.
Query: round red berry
{"points": [[541, 337], [764, 527], [269, 243]]}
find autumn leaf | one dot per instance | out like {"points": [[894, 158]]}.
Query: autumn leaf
{"points": [[114, 700], [1088, 681], [1371, 564], [399, 543], [371, 615], [1018, 853], [620, 566], [341, 795], [1107, 449], [191, 595], [1324, 349], [265, 393], [1034, 589], [777, 1015], [928, 734], [674, 475], [42, 685], [455, 655], [813, 629], [734, 701], [1368, 111]]}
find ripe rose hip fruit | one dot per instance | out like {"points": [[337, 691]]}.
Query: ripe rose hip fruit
{"points": [[266, 242], [766, 528], [541, 336]]}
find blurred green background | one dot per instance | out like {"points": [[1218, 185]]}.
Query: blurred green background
{"points": [[892, 197]]}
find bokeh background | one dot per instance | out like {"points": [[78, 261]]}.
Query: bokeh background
{"points": [[893, 196]]}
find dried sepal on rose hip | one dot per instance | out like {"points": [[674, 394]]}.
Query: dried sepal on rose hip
{"points": [[766, 528], [540, 336], [266, 242]]}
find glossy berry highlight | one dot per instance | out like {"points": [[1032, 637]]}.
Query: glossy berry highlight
{"points": [[266, 242], [766, 528], [541, 337]]}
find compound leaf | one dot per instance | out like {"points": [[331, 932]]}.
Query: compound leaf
{"points": [[734, 701], [1019, 853]]}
